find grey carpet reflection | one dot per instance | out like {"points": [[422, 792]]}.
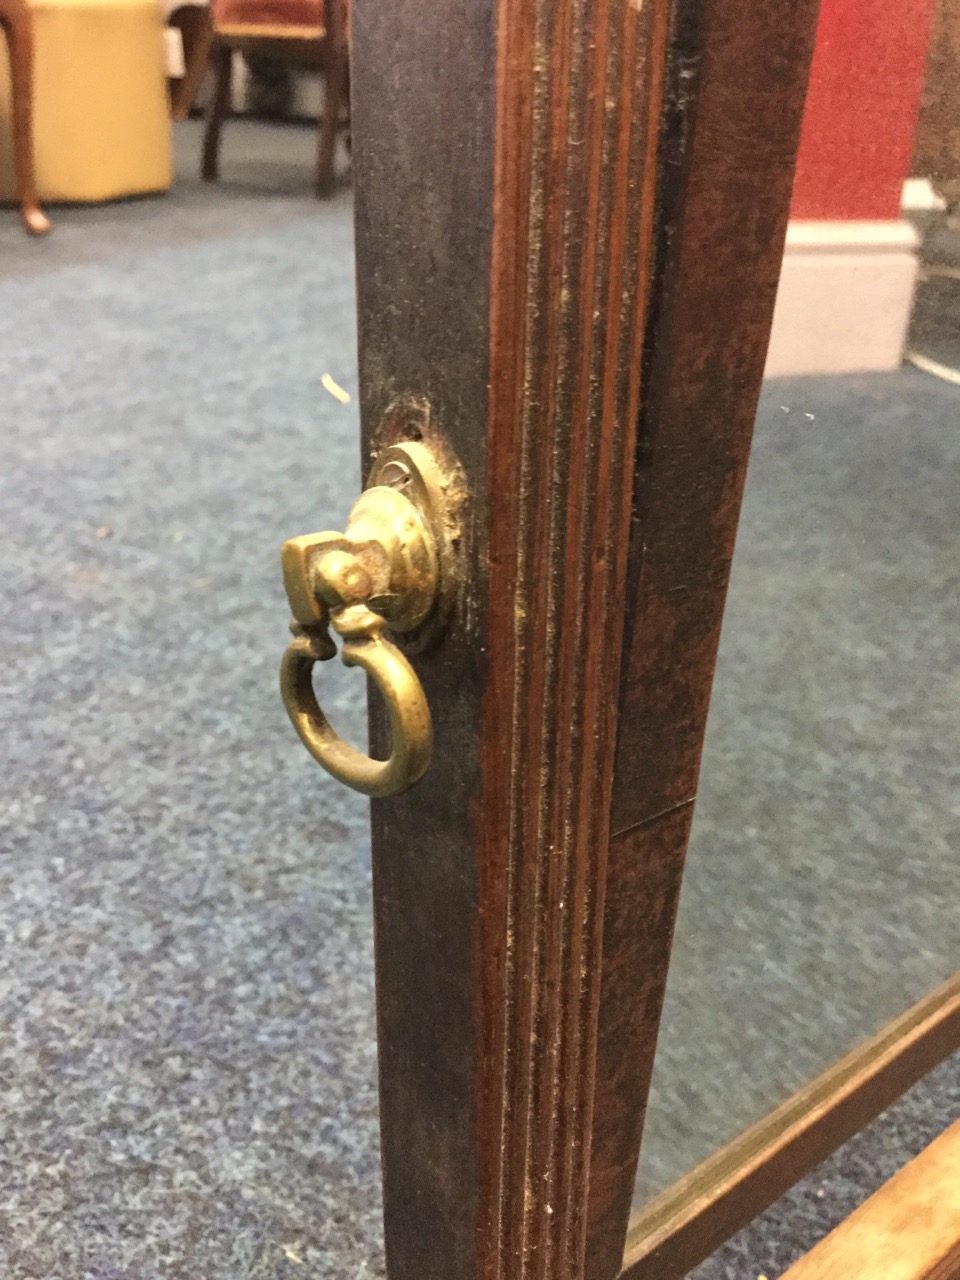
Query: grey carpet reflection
{"points": [[820, 896]]}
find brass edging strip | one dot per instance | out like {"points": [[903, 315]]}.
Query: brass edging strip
{"points": [[683, 1225]]}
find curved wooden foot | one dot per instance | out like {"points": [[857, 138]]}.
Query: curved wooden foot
{"points": [[34, 220]]}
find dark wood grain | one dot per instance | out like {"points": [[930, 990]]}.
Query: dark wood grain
{"points": [[737, 82], [721, 252], [423, 176], [638, 927], [505, 213], [579, 87]]}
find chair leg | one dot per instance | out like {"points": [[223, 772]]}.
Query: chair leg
{"points": [[223, 65], [16, 25], [197, 28], [334, 98]]}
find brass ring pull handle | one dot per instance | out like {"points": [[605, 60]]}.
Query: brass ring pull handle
{"points": [[411, 728], [382, 574]]}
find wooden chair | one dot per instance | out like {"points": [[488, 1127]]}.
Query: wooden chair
{"points": [[311, 34], [195, 25], [17, 23]]}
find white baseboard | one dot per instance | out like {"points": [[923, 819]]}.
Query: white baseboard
{"points": [[920, 197], [307, 96], [843, 305]]}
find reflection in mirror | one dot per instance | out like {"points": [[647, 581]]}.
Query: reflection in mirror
{"points": [[819, 899]]}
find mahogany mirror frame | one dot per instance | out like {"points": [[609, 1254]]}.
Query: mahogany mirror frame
{"points": [[570, 217]]}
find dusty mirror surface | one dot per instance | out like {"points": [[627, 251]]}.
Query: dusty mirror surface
{"points": [[819, 899]]}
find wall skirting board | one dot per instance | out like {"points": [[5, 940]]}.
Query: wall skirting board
{"points": [[844, 300]]}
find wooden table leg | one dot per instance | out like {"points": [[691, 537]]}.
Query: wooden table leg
{"points": [[16, 22], [335, 93], [336, 96], [223, 62], [196, 25]]}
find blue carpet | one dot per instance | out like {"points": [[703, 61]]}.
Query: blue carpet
{"points": [[187, 1039]]}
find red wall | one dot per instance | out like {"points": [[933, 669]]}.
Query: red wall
{"points": [[861, 115]]}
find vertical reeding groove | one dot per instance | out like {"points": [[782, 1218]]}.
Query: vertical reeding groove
{"points": [[568, 125], [530, 684], [588, 818], [581, 503], [509, 252], [551, 48], [546, 285], [571, 504]]}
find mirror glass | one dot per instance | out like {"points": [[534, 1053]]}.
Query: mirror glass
{"points": [[819, 898]]}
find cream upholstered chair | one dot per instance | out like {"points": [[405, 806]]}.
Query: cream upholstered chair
{"points": [[192, 19], [101, 121], [305, 33]]}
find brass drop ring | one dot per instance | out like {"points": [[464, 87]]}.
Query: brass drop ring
{"points": [[411, 729]]}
